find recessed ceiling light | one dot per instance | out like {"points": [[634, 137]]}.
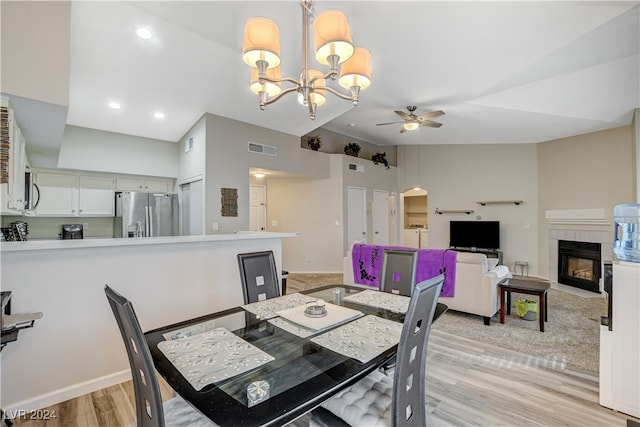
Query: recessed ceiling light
{"points": [[158, 115], [259, 175], [144, 33], [114, 105]]}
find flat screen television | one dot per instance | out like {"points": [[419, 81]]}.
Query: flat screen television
{"points": [[474, 234]]}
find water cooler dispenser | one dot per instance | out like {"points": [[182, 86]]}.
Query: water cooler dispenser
{"points": [[620, 329]]}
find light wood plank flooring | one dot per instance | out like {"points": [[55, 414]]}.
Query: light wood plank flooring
{"points": [[468, 383]]}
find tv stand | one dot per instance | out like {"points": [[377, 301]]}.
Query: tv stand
{"points": [[490, 253]]}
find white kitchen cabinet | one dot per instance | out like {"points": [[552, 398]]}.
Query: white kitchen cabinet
{"points": [[57, 194], [424, 238], [95, 196], [143, 184], [412, 237]]}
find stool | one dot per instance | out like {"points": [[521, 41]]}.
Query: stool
{"points": [[524, 265]]}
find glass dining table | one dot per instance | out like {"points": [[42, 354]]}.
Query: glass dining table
{"points": [[268, 363]]}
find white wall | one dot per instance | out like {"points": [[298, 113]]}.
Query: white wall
{"points": [[312, 207], [191, 164], [96, 150], [458, 176], [76, 347]]}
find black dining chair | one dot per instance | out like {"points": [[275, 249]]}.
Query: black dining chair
{"points": [[150, 411], [398, 273], [378, 399], [259, 276]]}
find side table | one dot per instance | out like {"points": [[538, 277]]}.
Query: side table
{"points": [[524, 286]]}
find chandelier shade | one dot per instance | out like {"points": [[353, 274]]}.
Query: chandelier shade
{"points": [[331, 36], [261, 42], [272, 88], [356, 71]]}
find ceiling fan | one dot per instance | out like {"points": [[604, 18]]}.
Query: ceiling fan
{"points": [[412, 122]]}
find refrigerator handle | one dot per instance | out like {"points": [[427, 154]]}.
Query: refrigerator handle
{"points": [[150, 221]]}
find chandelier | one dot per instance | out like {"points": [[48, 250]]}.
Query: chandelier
{"points": [[333, 47]]}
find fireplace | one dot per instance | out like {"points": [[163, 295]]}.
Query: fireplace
{"points": [[579, 264]]}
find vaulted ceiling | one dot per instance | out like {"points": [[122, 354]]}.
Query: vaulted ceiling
{"points": [[503, 72]]}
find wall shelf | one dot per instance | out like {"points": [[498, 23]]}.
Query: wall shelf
{"points": [[500, 202], [453, 211]]}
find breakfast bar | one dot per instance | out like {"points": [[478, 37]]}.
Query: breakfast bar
{"points": [[76, 348]]}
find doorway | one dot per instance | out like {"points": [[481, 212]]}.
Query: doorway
{"points": [[356, 215], [257, 208], [415, 218], [380, 217]]}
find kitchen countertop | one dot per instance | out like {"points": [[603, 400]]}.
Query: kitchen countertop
{"points": [[33, 245]]}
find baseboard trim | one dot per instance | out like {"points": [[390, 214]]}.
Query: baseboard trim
{"points": [[63, 394]]}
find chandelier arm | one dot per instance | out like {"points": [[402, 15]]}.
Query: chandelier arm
{"points": [[280, 95], [282, 80], [338, 93]]}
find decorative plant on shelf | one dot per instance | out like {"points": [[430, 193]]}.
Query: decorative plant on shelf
{"points": [[381, 158], [352, 149], [314, 142]]}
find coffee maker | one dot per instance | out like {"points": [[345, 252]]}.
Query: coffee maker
{"points": [[72, 231]]}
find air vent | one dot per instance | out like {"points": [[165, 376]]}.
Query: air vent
{"points": [[188, 146], [356, 167], [267, 150]]}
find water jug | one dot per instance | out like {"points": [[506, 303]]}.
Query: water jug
{"points": [[626, 245]]}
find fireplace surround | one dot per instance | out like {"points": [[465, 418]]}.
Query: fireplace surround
{"points": [[605, 238], [579, 264]]}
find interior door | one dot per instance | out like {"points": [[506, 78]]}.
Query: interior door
{"points": [[380, 217], [257, 208], [356, 215]]}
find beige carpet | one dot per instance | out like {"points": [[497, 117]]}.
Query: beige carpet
{"points": [[571, 336]]}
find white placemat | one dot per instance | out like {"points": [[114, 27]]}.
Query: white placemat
{"points": [[230, 322], [292, 328], [385, 300], [211, 357], [336, 315], [363, 339], [267, 309]]}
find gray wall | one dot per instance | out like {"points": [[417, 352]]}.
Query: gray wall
{"points": [[456, 177], [595, 170]]}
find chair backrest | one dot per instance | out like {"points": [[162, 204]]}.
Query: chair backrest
{"points": [[409, 381], [259, 276], [149, 410], [398, 273]]}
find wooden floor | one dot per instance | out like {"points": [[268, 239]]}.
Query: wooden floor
{"points": [[468, 383]]}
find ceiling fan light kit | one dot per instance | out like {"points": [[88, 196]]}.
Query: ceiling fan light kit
{"points": [[413, 122], [334, 47]]}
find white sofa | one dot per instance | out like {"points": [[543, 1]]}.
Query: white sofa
{"points": [[476, 288]]}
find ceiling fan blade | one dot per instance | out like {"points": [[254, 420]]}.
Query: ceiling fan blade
{"points": [[403, 115], [430, 124], [431, 115], [390, 123]]}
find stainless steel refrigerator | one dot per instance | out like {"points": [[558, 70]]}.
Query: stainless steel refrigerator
{"points": [[145, 214]]}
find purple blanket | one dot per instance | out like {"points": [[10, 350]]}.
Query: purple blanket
{"points": [[367, 265]]}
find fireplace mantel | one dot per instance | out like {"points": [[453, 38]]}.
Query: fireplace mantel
{"points": [[578, 216]]}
